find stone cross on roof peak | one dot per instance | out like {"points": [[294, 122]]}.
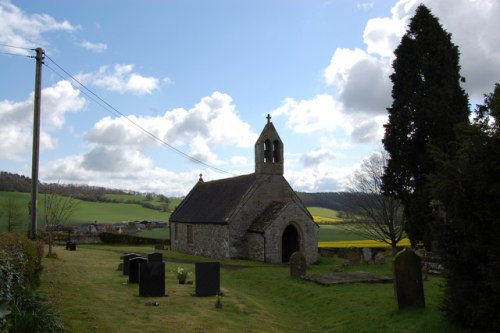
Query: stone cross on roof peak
{"points": [[268, 118]]}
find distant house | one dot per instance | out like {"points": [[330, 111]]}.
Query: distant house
{"points": [[256, 216]]}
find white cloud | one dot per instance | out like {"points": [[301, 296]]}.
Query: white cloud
{"points": [[318, 114], [317, 157], [16, 119], [94, 47], [122, 79], [20, 29]]}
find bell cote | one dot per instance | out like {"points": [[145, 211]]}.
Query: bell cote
{"points": [[269, 151]]}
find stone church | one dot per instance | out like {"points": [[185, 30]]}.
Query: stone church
{"points": [[256, 216]]}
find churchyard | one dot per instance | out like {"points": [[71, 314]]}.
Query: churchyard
{"points": [[91, 294]]}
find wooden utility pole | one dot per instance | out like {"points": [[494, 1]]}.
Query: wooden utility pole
{"points": [[36, 141]]}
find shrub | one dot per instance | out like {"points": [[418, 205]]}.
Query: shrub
{"points": [[13, 243], [30, 313], [108, 237]]}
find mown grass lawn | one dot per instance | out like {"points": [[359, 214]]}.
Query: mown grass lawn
{"points": [[92, 296]]}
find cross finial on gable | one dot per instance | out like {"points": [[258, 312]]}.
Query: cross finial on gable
{"points": [[268, 118], [201, 177]]}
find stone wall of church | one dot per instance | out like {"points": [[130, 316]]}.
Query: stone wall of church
{"points": [[208, 240]]}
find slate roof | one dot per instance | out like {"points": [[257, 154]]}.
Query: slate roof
{"points": [[214, 201], [267, 217]]}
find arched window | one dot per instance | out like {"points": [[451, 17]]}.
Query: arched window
{"points": [[276, 151], [267, 151]]}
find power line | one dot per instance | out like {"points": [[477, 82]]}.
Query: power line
{"points": [[17, 47], [111, 109], [16, 54]]}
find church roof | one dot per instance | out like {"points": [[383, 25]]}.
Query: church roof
{"points": [[214, 201], [267, 217]]}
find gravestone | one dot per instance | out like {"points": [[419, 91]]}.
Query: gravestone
{"points": [[152, 279], [207, 278], [297, 264], [407, 277], [126, 260], [155, 257], [353, 255], [70, 246], [367, 255], [133, 275], [379, 258]]}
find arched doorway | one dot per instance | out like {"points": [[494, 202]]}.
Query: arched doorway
{"points": [[290, 243]]}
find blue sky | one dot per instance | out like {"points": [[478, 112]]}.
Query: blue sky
{"points": [[202, 76]]}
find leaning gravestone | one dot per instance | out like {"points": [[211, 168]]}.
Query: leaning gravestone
{"points": [[152, 279], [207, 278], [297, 264], [133, 275], [407, 277], [126, 260]]}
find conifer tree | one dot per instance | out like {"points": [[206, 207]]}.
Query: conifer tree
{"points": [[428, 102]]}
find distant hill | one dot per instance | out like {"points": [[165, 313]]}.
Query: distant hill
{"points": [[332, 200], [17, 183]]}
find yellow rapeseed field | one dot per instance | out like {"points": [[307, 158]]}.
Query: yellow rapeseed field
{"points": [[362, 243]]}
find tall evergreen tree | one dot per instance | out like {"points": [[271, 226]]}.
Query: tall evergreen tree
{"points": [[428, 102], [466, 192]]}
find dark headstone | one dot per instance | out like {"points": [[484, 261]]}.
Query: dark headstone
{"points": [[133, 274], [155, 257], [297, 264], [126, 260], [207, 278], [70, 246], [152, 279], [407, 277]]}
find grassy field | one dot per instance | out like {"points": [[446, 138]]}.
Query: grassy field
{"points": [[102, 212], [92, 296], [324, 215]]}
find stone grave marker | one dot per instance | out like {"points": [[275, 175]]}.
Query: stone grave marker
{"points": [[367, 255], [298, 264], [407, 277], [152, 279], [155, 257], [207, 278], [70, 246], [133, 275], [126, 259]]}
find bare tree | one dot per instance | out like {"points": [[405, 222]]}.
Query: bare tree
{"points": [[373, 214], [58, 209], [13, 214]]}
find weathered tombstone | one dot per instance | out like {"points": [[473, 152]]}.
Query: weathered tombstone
{"points": [[126, 260], [133, 275], [152, 279], [207, 278], [155, 257], [298, 264], [407, 277], [367, 255], [379, 258], [353, 255]]}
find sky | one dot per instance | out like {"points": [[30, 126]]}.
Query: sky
{"points": [[135, 94]]}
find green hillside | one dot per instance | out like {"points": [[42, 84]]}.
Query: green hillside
{"points": [[101, 212]]}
